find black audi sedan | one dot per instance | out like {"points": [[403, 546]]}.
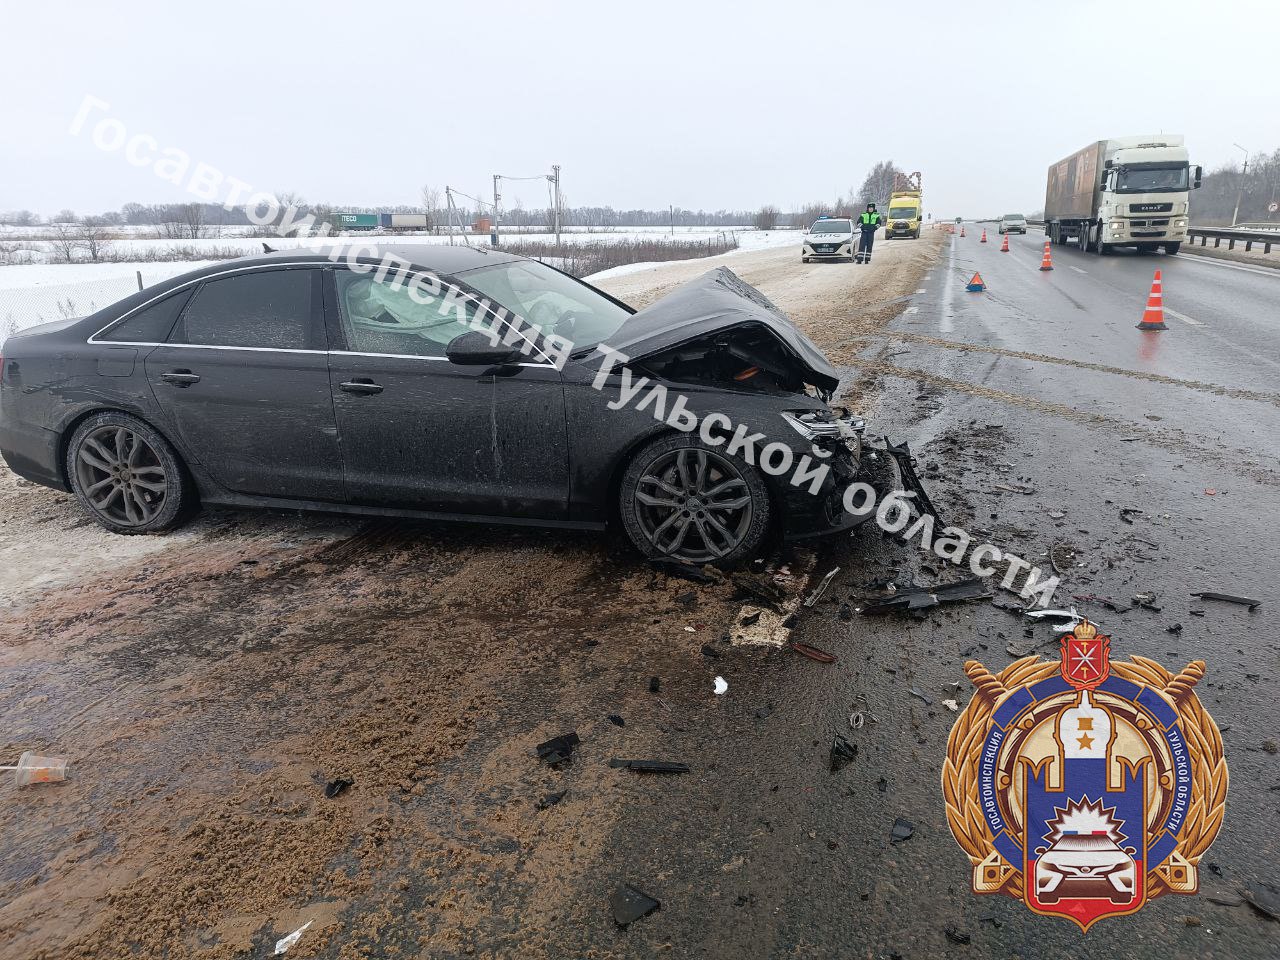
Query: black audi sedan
{"points": [[470, 384]]}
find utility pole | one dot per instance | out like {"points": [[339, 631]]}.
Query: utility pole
{"points": [[1235, 217], [671, 218], [555, 179], [497, 216]]}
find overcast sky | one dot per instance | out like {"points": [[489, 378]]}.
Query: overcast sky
{"points": [[698, 104]]}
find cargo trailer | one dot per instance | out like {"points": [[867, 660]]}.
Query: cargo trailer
{"points": [[1123, 192]]}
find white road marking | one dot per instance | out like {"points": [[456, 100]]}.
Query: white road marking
{"points": [[928, 276], [911, 310], [1078, 270], [1260, 271], [921, 290], [1184, 318], [948, 290]]}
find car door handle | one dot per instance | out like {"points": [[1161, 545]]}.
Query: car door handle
{"points": [[180, 378], [361, 385]]}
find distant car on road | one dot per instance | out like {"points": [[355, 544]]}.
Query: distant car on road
{"points": [[294, 381], [1012, 223], [830, 238]]}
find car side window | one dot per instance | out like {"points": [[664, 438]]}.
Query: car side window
{"points": [[152, 323], [269, 309], [384, 316]]}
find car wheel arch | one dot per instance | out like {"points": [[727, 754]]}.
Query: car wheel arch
{"points": [[661, 432], [68, 431]]}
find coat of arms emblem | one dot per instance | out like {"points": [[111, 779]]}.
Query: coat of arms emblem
{"points": [[1085, 787]]}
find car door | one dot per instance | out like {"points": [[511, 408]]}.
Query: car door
{"points": [[243, 381], [422, 433]]}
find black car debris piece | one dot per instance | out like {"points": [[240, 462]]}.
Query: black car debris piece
{"points": [[901, 454], [558, 749], [551, 799], [923, 598], [335, 787], [305, 380], [902, 830], [1228, 598], [649, 766], [842, 753], [630, 904]]}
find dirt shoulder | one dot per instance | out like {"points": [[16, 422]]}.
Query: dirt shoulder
{"points": [[209, 685]]}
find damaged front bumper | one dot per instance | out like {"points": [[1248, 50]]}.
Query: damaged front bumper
{"points": [[885, 469], [836, 441]]}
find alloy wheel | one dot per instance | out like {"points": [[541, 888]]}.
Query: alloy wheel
{"points": [[694, 505], [121, 475]]}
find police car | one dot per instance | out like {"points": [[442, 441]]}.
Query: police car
{"points": [[830, 238]]}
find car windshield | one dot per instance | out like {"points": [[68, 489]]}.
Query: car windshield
{"points": [[902, 213], [549, 300], [1151, 179], [1013, 218], [831, 226]]}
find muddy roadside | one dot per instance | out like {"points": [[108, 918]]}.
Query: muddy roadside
{"points": [[216, 690]]}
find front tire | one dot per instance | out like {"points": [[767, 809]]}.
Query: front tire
{"points": [[683, 500], [126, 476], [1172, 248]]}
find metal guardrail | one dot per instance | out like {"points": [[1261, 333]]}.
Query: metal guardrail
{"points": [[1234, 235]]}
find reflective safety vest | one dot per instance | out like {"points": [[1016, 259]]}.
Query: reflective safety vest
{"points": [[870, 219]]}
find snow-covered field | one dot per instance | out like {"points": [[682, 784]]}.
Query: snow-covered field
{"points": [[22, 247], [32, 293]]}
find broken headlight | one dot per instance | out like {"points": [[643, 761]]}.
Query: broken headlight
{"points": [[827, 427]]}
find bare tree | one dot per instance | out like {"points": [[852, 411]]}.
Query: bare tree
{"points": [[65, 240], [430, 204], [65, 216], [804, 217], [877, 186], [192, 220], [93, 238], [766, 217]]}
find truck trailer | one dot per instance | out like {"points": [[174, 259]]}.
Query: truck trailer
{"points": [[1124, 192]]}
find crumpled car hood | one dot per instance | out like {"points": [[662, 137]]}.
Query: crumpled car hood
{"points": [[716, 301]]}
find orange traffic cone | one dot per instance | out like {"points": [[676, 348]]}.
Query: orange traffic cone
{"points": [[976, 285], [984, 235], [1004, 247], [1153, 316], [962, 229], [1047, 262]]}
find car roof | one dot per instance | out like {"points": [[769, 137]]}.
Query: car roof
{"points": [[439, 258]]}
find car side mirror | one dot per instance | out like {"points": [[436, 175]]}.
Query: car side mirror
{"points": [[476, 348]]}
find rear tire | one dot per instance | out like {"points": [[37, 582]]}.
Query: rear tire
{"points": [[1082, 241], [683, 500], [126, 476]]}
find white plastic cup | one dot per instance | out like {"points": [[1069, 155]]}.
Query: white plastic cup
{"points": [[32, 769]]}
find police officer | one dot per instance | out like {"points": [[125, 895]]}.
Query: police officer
{"points": [[868, 223]]}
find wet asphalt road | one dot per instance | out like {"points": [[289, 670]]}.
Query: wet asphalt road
{"points": [[762, 852]]}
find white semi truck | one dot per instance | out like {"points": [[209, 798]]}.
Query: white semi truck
{"points": [[1125, 192]]}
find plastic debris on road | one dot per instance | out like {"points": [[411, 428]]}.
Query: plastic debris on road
{"points": [[842, 753], [558, 749], [721, 686], [630, 904], [284, 943], [649, 766], [33, 769]]}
